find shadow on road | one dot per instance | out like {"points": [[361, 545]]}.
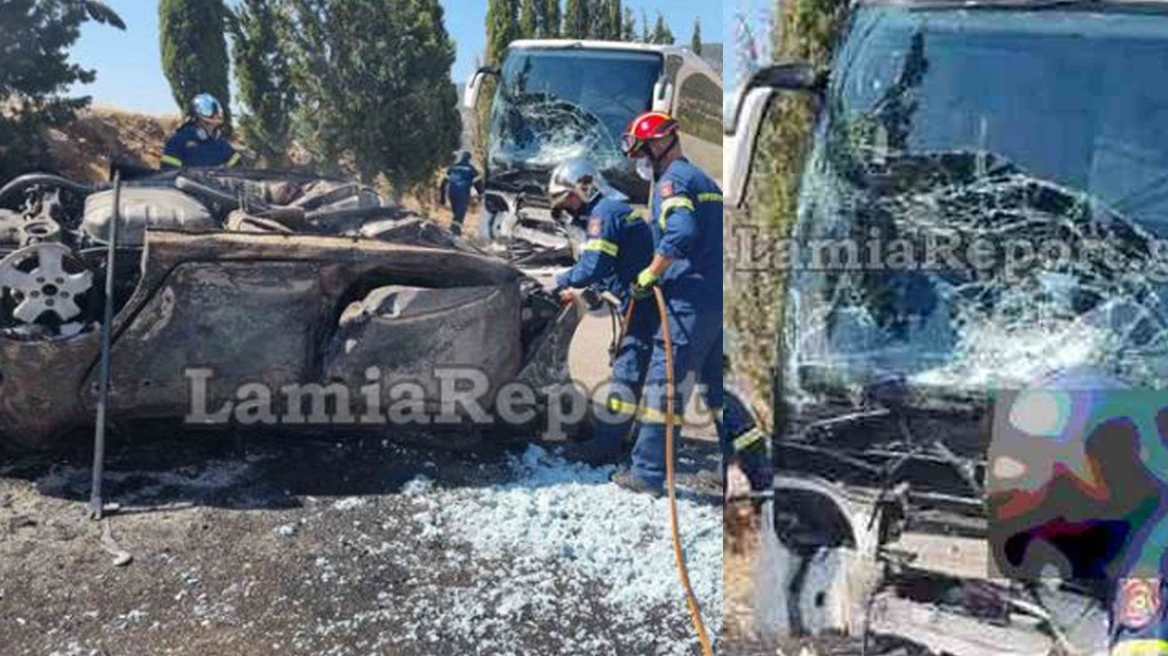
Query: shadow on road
{"points": [[174, 467]]}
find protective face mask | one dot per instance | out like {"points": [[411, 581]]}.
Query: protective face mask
{"points": [[645, 169]]}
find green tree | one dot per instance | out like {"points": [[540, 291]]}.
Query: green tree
{"points": [[629, 26], [35, 37], [263, 79], [646, 33], [661, 33], [812, 29], [696, 42], [373, 80], [549, 18], [528, 20], [576, 20], [194, 50], [608, 19], [502, 27]]}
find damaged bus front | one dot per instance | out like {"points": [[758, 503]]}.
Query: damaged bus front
{"points": [[982, 209], [559, 99]]}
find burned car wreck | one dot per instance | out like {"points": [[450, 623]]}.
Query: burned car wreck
{"points": [[247, 280], [937, 127]]}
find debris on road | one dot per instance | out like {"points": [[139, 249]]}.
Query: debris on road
{"points": [[359, 550]]}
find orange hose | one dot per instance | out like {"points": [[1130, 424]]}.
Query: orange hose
{"points": [[691, 599]]}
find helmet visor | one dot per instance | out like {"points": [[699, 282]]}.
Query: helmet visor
{"points": [[206, 107], [631, 145]]}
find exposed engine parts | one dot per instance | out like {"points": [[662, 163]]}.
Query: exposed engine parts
{"points": [[53, 232], [529, 235]]}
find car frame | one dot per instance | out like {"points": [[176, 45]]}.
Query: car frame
{"points": [[326, 296]]}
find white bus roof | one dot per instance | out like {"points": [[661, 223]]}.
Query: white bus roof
{"points": [[680, 51]]}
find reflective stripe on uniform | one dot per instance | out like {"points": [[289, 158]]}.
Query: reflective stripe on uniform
{"points": [[234, 160], [1141, 648], [604, 246], [647, 415], [678, 202], [622, 406], [172, 160], [655, 416], [751, 437], [710, 198], [671, 204]]}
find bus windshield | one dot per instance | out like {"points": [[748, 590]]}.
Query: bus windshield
{"points": [[558, 103], [1034, 143]]}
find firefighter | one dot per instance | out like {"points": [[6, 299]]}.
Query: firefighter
{"points": [[745, 442], [687, 264], [457, 186], [618, 247], [199, 141]]}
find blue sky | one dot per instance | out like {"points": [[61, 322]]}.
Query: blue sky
{"points": [[129, 70]]}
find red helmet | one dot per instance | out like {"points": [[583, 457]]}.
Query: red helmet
{"points": [[645, 128]]}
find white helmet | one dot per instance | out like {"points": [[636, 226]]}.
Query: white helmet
{"points": [[575, 175]]}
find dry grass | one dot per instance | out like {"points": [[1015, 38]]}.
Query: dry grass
{"points": [[83, 149]]}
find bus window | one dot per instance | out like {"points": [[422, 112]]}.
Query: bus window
{"points": [[699, 110]]}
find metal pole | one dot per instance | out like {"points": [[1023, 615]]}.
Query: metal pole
{"points": [[96, 504]]}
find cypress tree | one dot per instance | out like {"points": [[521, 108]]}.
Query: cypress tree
{"points": [[36, 76], [373, 80], [528, 21], [263, 79], [576, 20], [194, 50]]}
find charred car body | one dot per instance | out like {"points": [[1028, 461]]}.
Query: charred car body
{"points": [[557, 99], [988, 126], [226, 279]]}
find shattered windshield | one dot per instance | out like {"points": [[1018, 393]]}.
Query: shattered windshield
{"points": [[555, 104], [986, 201]]}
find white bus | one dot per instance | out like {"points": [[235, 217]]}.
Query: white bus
{"points": [[561, 98]]}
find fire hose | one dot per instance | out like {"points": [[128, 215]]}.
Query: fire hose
{"points": [[670, 482]]}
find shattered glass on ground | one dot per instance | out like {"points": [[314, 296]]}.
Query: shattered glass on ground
{"points": [[350, 549], [561, 516]]}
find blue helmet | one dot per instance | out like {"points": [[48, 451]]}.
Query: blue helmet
{"points": [[206, 109]]}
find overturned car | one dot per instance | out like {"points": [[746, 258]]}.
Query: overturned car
{"points": [[234, 287]]}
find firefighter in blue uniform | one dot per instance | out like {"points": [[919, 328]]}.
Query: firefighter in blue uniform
{"points": [[745, 442], [457, 186], [199, 142], [687, 265], [619, 246]]}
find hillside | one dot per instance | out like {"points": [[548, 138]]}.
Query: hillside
{"points": [[83, 149]]}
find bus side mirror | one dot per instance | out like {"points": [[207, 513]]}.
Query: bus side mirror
{"points": [[663, 96], [470, 98], [742, 121]]}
